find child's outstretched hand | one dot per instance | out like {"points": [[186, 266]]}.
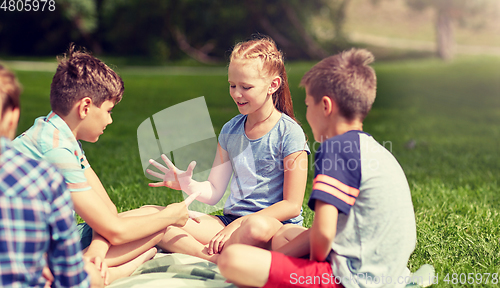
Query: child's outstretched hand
{"points": [[172, 177]]}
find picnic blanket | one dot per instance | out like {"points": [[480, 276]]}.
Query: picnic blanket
{"points": [[174, 271]]}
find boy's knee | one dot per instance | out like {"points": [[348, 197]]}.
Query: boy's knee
{"points": [[228, 258]]}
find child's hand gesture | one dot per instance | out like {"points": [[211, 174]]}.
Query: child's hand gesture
{"points": [[101, 266], [172, 177], [179, 211], [217, 243], [98, 272]]}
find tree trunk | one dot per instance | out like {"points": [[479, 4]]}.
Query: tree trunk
{"points": [[200, 55], [312, 48], [444, 33], [97, 35], [77, 21], [339, 20]]}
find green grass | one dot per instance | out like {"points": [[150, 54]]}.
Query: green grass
{"points": [[450, 111]]}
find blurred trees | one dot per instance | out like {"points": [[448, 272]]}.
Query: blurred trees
{"points": [[468, 13], [164, 29]]}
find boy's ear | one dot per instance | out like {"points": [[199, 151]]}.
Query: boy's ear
{"points": [[329, 106], [275, 84], [8, 122], [83, 107]]}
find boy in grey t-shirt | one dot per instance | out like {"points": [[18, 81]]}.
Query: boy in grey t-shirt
{"points": [[364, 226]]}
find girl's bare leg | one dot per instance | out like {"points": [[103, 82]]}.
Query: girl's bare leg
{"points": [[124, 253], [122, 260], [256, 231], [120, 254], [129, 267], [286, 234], [193, 237]]}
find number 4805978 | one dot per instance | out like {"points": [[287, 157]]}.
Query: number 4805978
{"points": [[28, 5]]}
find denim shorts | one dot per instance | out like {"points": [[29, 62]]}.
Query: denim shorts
{"points": [[85, 234], [227, 219]]}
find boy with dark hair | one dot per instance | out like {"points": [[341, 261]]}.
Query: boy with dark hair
{"points": [[363, 230], [37, 228], [83, 92]]}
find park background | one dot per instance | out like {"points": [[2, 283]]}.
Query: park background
{"points": [[438, 99]]}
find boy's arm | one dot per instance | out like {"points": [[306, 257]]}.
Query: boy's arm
{"points": [[75, 176], [119, 230], [323, 230], [99, 245], [96, 185]]}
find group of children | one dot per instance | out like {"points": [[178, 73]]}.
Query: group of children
{"points": [[363, 228]]}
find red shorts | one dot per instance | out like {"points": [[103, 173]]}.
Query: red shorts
{"points": [[297, 272]]}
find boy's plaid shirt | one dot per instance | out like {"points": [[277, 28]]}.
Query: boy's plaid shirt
{"points": [[37, 227]]}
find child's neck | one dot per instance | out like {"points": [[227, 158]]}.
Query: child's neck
{"points": [[72, 121], [346, 127], [259, 124], [342, 126]]}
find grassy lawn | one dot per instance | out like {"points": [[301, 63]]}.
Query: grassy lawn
{"points": [[440, 120]]}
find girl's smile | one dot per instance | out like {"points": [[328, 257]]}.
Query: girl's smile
{"points": [[249, 88]]}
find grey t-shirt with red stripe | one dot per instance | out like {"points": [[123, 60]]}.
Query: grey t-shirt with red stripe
{"points": [[376, 231]]}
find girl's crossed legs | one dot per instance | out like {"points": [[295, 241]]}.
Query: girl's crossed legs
{"points": [[194, 238]]}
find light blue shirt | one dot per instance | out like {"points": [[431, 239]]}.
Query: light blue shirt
{"points": [[51, 139], [258, 173]]}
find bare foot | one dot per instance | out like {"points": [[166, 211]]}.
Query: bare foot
{"points": [[128, 268]]}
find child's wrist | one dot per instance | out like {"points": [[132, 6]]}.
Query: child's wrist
{"points": [[93, 252]]}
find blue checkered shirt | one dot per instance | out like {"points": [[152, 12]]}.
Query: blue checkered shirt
{"points": [[37, 227]]}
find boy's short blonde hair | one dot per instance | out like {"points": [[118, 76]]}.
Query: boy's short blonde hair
{"points": [[10, 89], [81, 75], [347, 79]]}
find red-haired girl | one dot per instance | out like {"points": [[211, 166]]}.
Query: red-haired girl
{"points": [[264, 150]]}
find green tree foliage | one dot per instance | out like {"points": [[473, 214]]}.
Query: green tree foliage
{"points": [[162, 29], [23, 33], [82, 14]]}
